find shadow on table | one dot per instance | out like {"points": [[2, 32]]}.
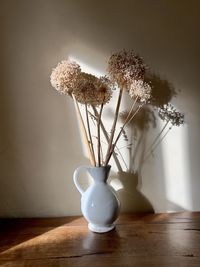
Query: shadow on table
{"points": [[17, 231]]}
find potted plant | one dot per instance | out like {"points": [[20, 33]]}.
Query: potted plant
{"points": [[125, 74]]}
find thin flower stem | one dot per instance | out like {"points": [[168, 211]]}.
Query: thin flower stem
{"points": [[156, 145], [137, 110], [129, 145], [95, 116], [92, 115], [113, 126], [101, 151], [120, 154], [89, 133], [99, 135], [83, 130], [137, 146], [122, 128], [131, 110], [156, 138]]}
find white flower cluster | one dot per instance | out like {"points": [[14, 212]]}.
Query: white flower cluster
{"points": [[141, 90], [124, 67], [169, 113], [64, 77]]}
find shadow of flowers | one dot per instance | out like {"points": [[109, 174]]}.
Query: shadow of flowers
{"points": [[137, 146]]}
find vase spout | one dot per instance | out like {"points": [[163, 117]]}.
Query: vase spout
{"points": [[100, 174]]}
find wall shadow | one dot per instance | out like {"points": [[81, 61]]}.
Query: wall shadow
{"points": [[131, 198], [142, 129]]}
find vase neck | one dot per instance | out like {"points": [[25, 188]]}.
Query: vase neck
{"points": [[100, 174]]}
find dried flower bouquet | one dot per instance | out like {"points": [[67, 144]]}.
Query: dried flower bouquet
{"points": [[125, 72]]}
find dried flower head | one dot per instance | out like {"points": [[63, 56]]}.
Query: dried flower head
{"points": [[125, 66], [64, 76], [141, 90], [169, 113], [92, 90]]}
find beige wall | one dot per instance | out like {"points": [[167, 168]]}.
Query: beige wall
{"points": [[39, 138]]}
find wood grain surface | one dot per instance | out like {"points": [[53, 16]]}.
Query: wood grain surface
{"points": [[138, 240]]}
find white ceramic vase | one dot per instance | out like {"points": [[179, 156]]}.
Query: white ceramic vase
{"points": [[99, 203]]}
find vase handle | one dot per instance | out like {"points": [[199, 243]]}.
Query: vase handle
{"points": [[75, 177]]}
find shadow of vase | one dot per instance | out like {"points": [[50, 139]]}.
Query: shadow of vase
{"points": [[131, 199]]}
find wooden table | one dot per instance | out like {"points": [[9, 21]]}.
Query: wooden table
{"points": [[139, 240]]}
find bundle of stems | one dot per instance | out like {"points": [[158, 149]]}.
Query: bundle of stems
{"points": [[111, 139]]}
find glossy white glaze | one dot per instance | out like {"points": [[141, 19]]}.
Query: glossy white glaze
{"points": [[99, 203]]}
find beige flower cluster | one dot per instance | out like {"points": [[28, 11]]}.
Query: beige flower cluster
{"points": [[124, 67], [64, 77], [67, 78], [141, 90], [92, 90], [169, 113]]}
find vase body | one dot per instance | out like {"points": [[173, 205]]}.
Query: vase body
{"points": [[99, 203]]}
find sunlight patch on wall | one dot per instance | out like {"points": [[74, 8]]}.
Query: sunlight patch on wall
{"points": [[176, 168], [85, 67]]}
